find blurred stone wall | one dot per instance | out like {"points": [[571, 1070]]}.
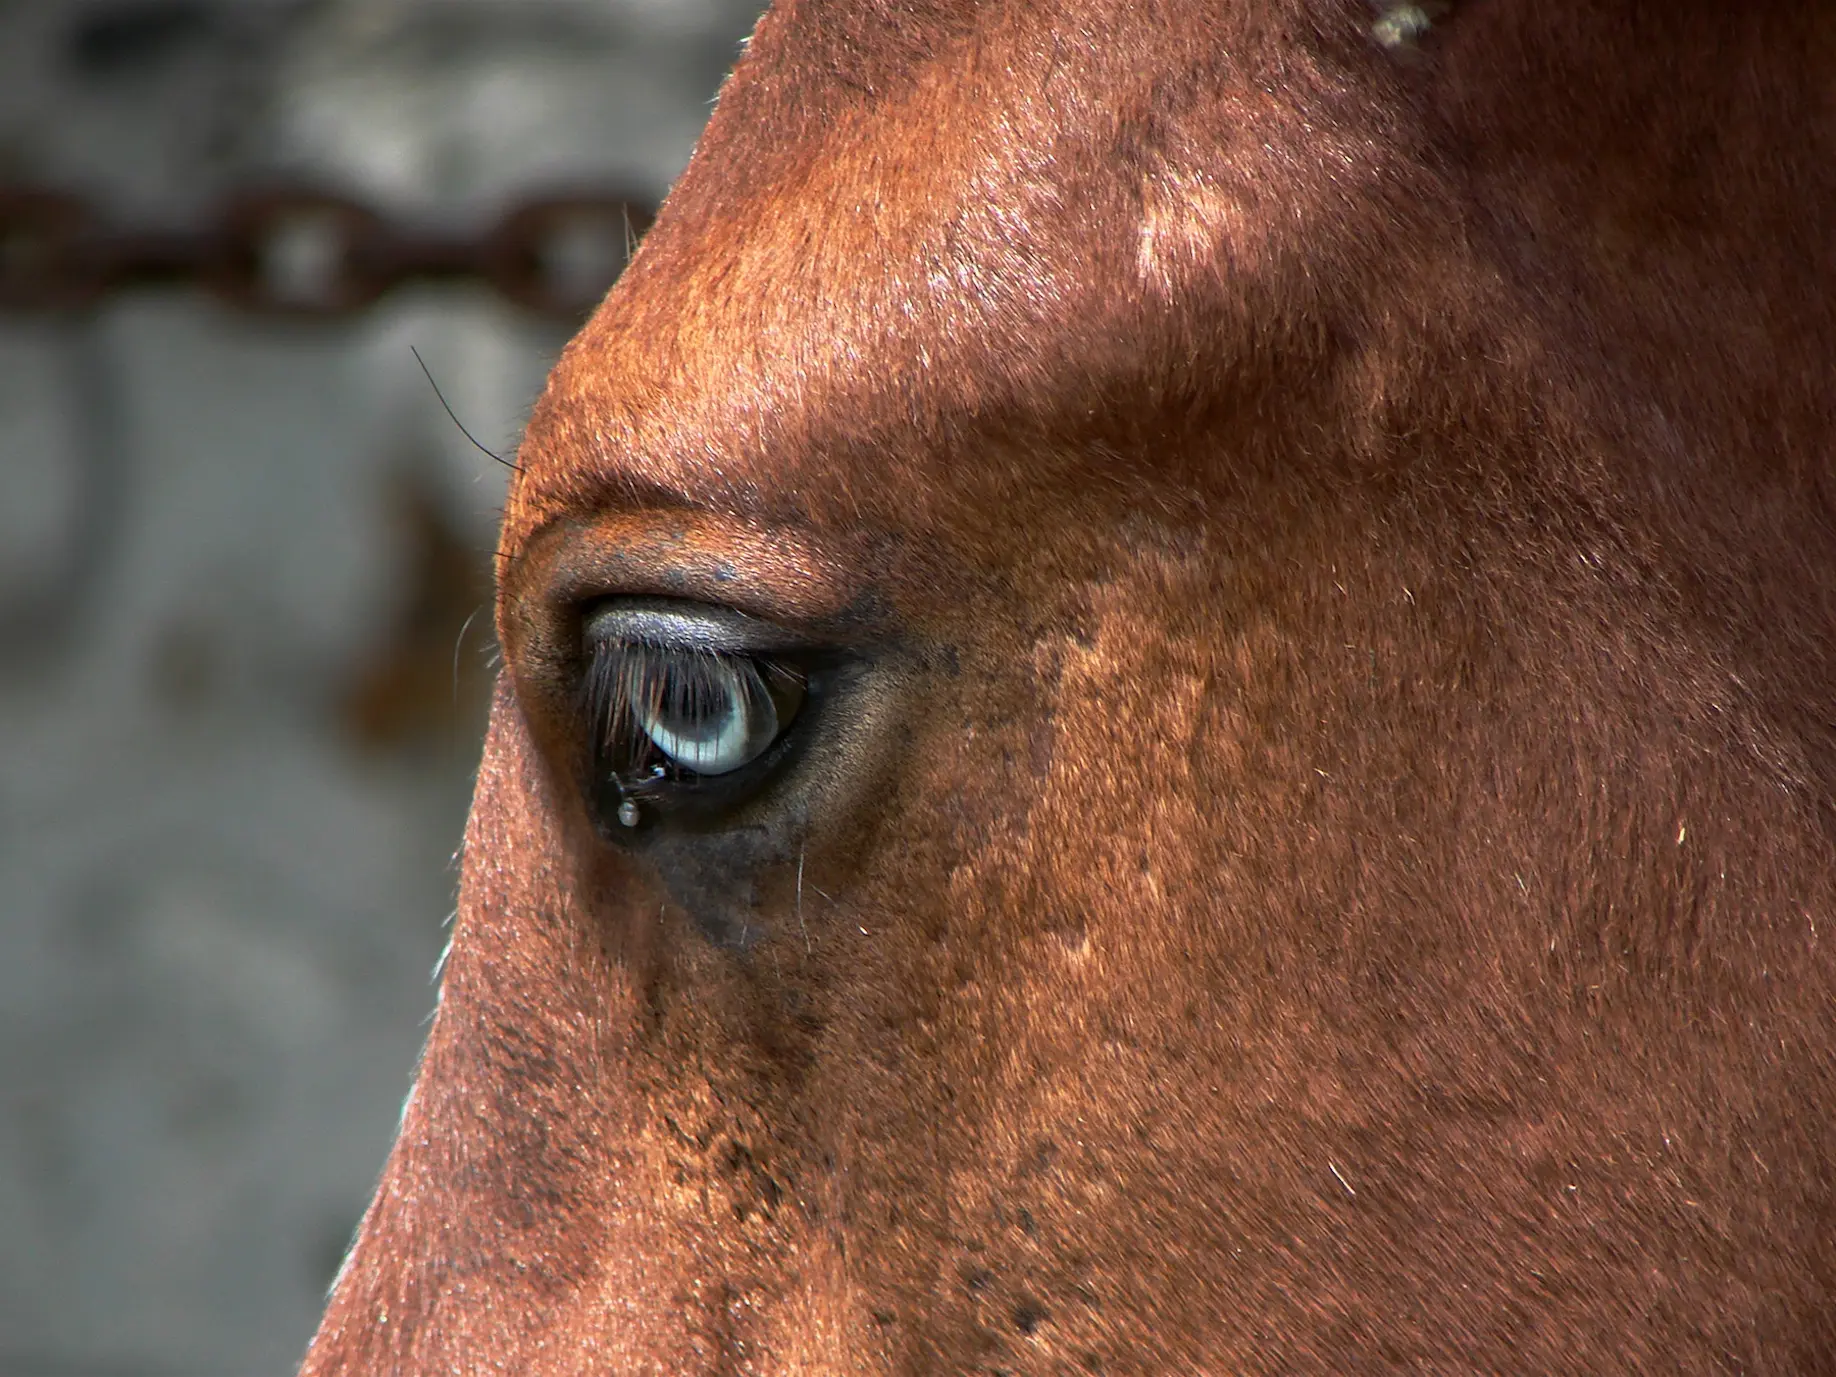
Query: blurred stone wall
{"points": [[244, 634]]}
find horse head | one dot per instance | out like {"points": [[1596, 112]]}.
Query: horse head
{"points": [[1167, 707]]}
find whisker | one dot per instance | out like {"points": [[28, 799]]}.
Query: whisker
{"points": [[459, 644], [490, 454], [801, 928]]}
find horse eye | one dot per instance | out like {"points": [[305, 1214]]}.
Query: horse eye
{"points": [[679, 704], [703, 712], [708, 713]]}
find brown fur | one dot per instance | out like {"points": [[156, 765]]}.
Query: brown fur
{"points": [[1329, 867]]}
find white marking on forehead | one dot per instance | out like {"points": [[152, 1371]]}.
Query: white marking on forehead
{"points": [[1186, 220], [1398, 26]]}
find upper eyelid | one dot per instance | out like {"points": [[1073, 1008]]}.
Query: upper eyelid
{"points": [[690, 626], [572, 566]]}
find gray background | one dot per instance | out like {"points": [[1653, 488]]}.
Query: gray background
{"points": [[237, 716]]}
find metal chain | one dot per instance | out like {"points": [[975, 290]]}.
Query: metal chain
{"points": [[298, 251]]}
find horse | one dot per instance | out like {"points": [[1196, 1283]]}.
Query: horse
{"points": [[1168, 706]]}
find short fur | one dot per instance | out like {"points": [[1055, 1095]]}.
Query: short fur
{"points": [[1328, 866]]}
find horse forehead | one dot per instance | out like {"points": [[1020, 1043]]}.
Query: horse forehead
{"points": [[989, 235]]}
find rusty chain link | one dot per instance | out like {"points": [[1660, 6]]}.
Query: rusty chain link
{"points": [[304, 252]]}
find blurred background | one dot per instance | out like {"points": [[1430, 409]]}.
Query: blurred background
{"points": [[244, 581]]}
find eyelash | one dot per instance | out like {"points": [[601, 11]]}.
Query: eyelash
{"points": [[666, 719]]}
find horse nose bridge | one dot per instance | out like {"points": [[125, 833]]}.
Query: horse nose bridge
{"points": [[529, 1139]]}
